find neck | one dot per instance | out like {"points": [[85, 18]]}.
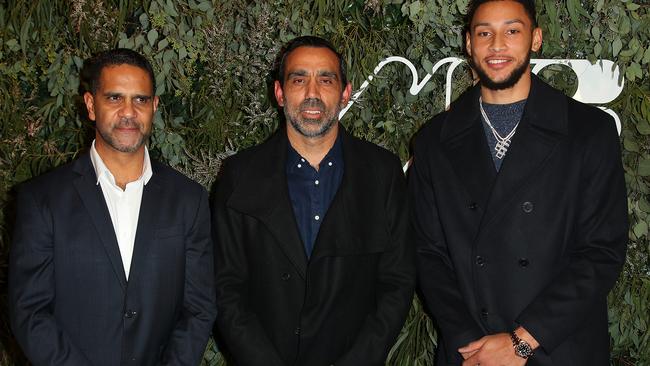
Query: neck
{"points": [[125, 167], [313, 149], [517, 92]]}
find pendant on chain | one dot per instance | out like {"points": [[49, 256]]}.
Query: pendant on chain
{"points": [[501, 148]]}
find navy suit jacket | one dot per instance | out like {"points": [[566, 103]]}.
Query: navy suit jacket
{"points": [[70, 302]]}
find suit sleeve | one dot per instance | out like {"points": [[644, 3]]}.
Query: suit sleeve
{"points": [[395, 282], [189, 337], [436, 273], [239, 327], [597, 253], [32, 287]]}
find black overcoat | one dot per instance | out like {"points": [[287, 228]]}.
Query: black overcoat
{"points": [[539, 244], [343, 306]]}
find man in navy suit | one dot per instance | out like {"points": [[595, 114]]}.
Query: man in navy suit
{"points": [[112, 261]]}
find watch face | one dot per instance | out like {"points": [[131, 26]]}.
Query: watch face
{"points": [[523, 349]]}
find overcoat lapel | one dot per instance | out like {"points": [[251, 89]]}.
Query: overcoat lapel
{"points": [[339, 233], [144, 235], [263, 193], [93, 199], [465, 146], [542, 126]]}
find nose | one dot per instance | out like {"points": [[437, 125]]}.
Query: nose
{"points": [[312, 89], [498, 43], [127, 110]]}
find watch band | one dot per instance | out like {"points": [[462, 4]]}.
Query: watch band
{"points": [[522, 348]]}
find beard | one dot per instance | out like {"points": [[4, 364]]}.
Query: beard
{"points": [[312, 127], [506, 83], [106, 132]]}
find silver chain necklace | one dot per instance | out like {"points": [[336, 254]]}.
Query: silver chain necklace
{"points": [[503, 143]]}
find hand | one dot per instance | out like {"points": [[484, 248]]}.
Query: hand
{"points": [[492, 350]]}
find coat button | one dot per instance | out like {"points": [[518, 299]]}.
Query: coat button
{"points": [[473, 206], [523, 262], [286, 276], [484, 312], [527, 207], [130, 314], [480, 261], [296, 331]]}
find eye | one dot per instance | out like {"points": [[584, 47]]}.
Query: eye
{"points": [[512, 31], [142, 100], [113, 98], [327, 81], [298, 81], [483, 34]]}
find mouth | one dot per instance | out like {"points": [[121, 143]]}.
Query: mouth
{"points": [[311, 113], [498, 62]]}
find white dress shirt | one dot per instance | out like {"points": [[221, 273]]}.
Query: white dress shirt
{"points": [[123, 205]]}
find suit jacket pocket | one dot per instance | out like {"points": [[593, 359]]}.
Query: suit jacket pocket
{"points": [[168, 232]]}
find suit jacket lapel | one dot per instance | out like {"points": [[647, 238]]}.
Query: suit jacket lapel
{"points": [[93, 199], [465, 146], [144, 236], [263, 194], [543, 124]]}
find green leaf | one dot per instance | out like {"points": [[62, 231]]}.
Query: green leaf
{"points": [[644, 167], [152, 36], [640, 229], [162, 44], [643, 127], [616, 46]]}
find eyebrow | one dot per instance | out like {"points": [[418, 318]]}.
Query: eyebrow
{"points": [[511, 21], [117, 94], [329, 74]]}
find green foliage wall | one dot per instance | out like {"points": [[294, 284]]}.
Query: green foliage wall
{"points": [[212, 60]]}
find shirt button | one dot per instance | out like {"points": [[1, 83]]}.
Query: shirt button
{"points": [[316, 182], [299, 165], [316, 217], [330, 163], [480, 261], [303, 160], [527, 207]]}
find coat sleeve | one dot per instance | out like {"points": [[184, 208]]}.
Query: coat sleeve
{"points": [[395, 282], [239, 327], [189, 337], [32, 287], [597, 253], [436, 272]]}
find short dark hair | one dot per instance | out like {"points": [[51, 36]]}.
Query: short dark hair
{"points": [[115, 57], [529, 7], [308, 41]]}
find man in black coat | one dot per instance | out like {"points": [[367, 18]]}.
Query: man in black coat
{"points": [[111, 262], [314, 265], [519, 209]]}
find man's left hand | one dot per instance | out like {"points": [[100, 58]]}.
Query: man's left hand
{"points": [[491, 350]]}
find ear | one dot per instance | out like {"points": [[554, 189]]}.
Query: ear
{"points": [[155, 103], [89, 100], [537, 39], [345, 96], [468, 44], [279, 94]]}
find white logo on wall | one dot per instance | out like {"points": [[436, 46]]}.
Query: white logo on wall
{"points": [[597, 83]]}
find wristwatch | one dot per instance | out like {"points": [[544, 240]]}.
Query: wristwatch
{"points": [[522, 348]]}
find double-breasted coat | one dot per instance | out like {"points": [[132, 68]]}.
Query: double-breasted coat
{"points": [[538, 244], [346, 304]]}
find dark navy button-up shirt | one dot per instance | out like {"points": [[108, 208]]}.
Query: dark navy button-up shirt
{"points": [[312, 191]]}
